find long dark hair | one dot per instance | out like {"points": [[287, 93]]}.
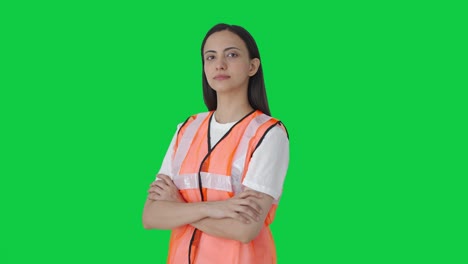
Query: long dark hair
{"points": [[256, 89]]}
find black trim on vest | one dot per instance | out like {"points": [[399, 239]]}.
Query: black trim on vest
{"points": [[266, 132], [190, 245], [285, 129], [209, 140], [210, 149], [183, 124], [225, 135], [200, 187]]}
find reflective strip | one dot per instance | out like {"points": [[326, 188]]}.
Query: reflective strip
{"points": [[239, 157], [186, 142], [209, 180]]}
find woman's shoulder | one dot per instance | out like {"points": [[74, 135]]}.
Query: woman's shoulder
{"points": [[278, 129], [201, 114], [192, 117], [278, 133]]}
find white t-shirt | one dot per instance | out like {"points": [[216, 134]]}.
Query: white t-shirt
{"points": [[268, 166]]}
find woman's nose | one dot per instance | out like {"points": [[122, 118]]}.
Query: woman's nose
{"points": [[220, 65]]}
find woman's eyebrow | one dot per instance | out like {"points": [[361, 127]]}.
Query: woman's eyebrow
{"points": [[224, 50]]}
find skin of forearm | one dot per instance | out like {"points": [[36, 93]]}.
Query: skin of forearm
{"points": [[169, 212], [170, 215], [229, 228], [234, 229]]}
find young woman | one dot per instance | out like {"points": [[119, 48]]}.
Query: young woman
{"points": [[222, 176]]}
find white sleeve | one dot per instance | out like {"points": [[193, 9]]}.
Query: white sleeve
{"points": [[269, 164], [166, 166]]}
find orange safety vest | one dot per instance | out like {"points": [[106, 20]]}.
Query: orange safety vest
{"points": [[220, 169]]}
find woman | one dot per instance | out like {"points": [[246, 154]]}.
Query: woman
{"points": [[223, 173]]}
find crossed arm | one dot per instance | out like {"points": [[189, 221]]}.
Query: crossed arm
{"points": [[239, 218]]}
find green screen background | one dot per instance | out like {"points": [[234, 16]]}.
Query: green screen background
{"points": [[372, 93]]}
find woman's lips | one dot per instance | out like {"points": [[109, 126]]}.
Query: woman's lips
{"points": [[221, 77]]}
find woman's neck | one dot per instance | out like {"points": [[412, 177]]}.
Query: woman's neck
{"points": [[232, 108]]}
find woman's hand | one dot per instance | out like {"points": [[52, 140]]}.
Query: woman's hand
{"points": [[163, 189], [243, 207]]}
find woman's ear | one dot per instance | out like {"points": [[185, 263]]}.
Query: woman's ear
{"points": [[254, 65]]}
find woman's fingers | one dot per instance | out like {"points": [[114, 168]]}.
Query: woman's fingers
{"points": [[171, 184], [246, 219], [166, 179], [249, 212], [154, 196], [156, 182], [245, 215], [252, 204], [154, 190], [236, 214], [247, 208], [250, 193], [242, 218], [233, 208], [162, 189], [157, 187], [165, 189]]}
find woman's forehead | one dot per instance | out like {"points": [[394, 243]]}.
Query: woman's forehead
{"points": [[224, 39]]}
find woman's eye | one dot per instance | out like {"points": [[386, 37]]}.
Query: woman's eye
{"points": [[232, 55], [209, 57]]}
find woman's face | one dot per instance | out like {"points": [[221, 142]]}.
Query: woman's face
{"points": [[227, 64]]}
